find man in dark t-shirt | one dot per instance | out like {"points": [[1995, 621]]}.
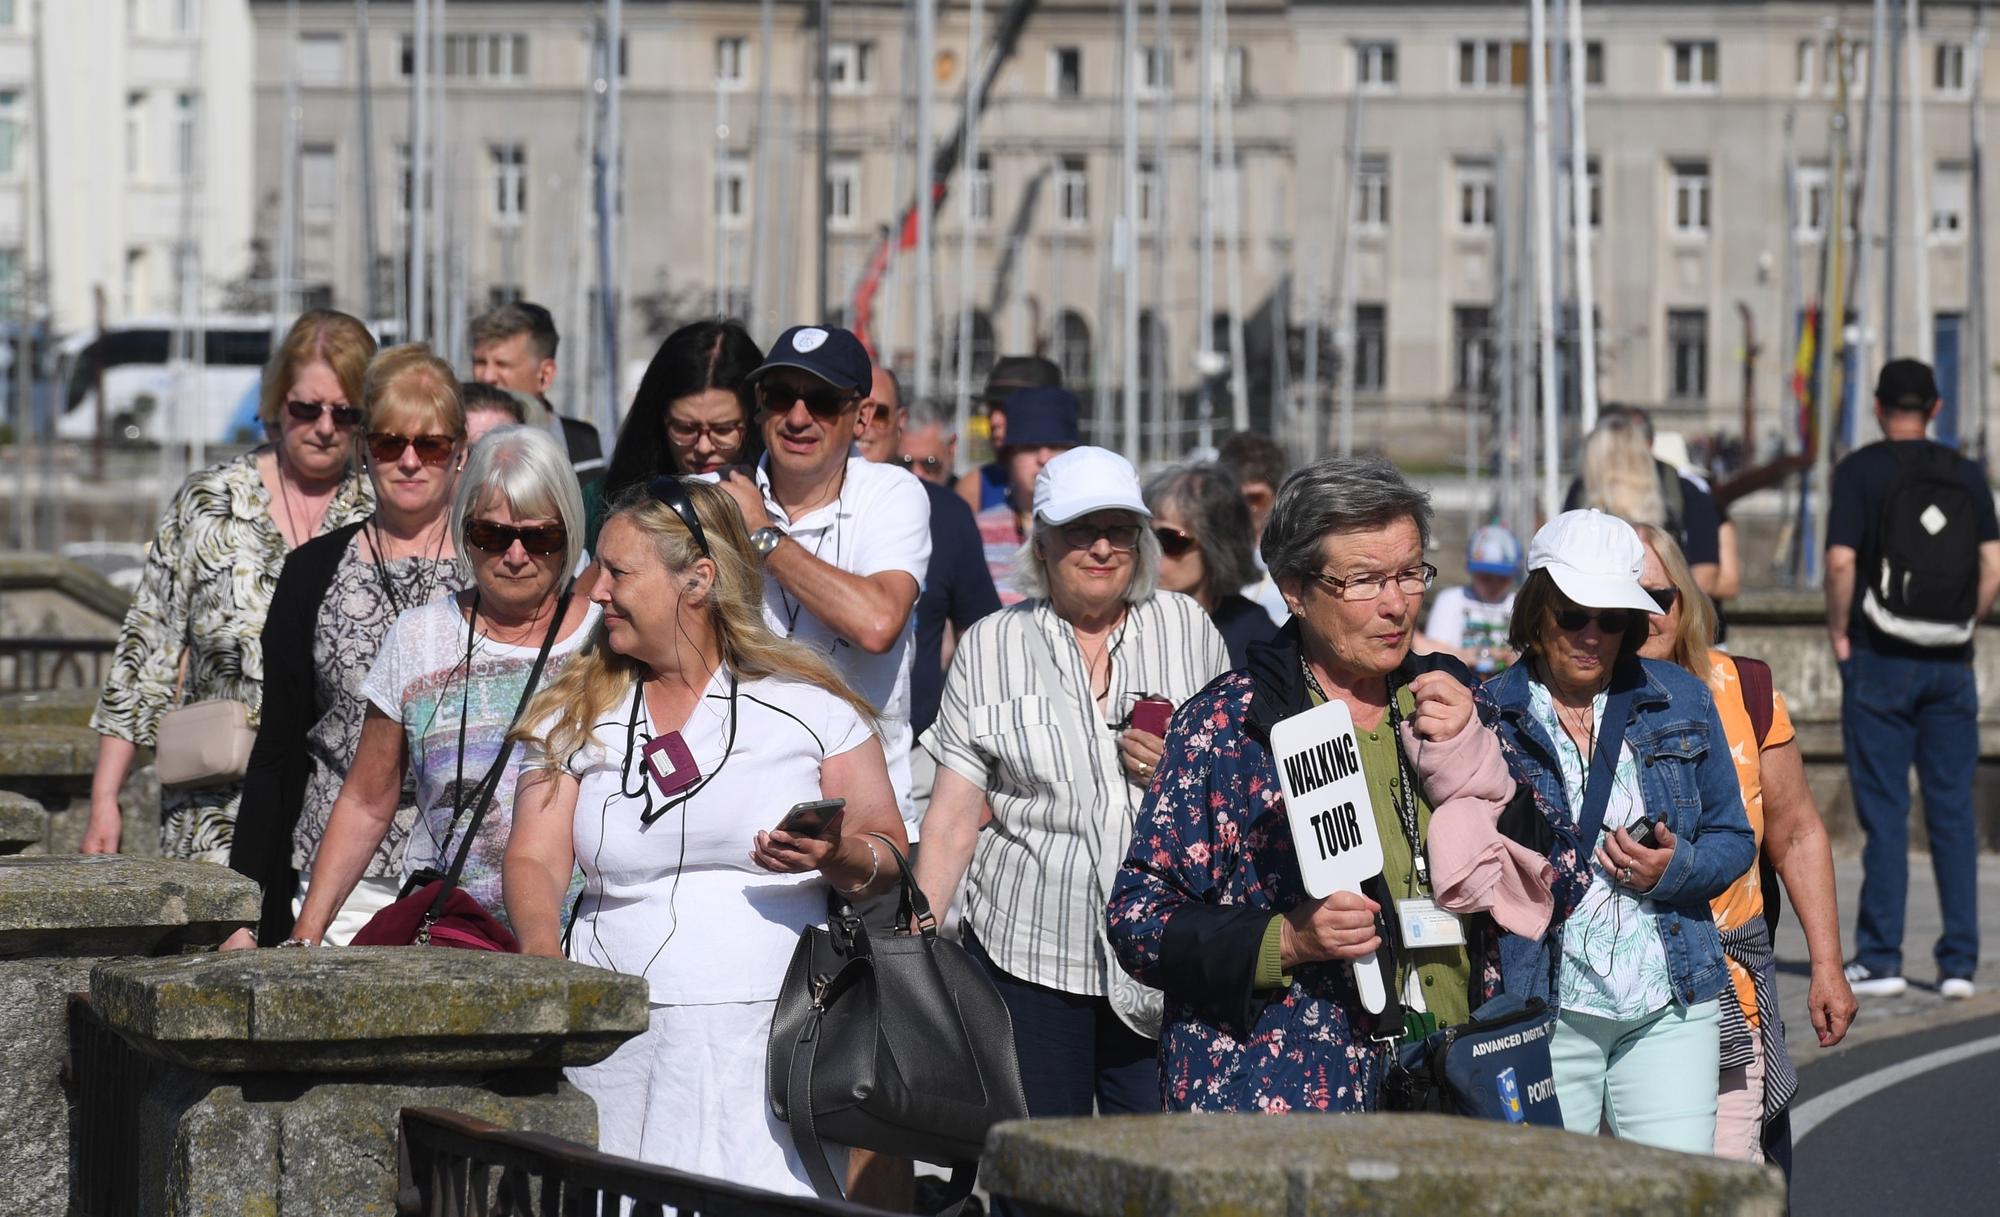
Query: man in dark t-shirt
{"points": [[1895, 692]]}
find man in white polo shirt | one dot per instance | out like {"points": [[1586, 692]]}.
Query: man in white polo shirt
{"points": [[845, 543]]}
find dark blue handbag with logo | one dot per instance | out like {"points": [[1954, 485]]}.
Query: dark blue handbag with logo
{"points": [[1494, 1067]]}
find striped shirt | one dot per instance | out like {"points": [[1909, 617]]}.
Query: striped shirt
{"points": [[1062, 808]]}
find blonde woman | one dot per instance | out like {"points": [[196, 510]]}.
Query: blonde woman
{"points": [[1622, 477], [660, 763], [1757, 1079]]}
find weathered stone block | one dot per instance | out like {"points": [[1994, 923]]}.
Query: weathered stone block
{"points": [[109, 905], [1391, 1165], [369, 1010], [23, 822]]}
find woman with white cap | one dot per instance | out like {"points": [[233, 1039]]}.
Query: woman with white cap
{"points": [[1038, 720], [1635, 751]]}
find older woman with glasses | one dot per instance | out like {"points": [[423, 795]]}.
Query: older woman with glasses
{"points": [[191, 634], [1263, 1012], [334, 604], [1206, 551], [1052, 714], [1635, 752], [445, 688]]}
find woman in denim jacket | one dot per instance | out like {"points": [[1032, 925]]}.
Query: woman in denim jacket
{"points": [[1638, 968]]}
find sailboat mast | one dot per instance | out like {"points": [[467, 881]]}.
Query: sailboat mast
{"points": [[1545, 296]]}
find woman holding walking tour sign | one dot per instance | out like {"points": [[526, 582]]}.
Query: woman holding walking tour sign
{"points": [[1263, 1012]]}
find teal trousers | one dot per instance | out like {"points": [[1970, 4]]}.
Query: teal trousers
{"points": [[1652, 1081]]}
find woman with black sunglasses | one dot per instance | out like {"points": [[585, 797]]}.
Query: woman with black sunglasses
{"points": [[191, 633], [1637, 970], [451, 674], [334, 603], [1203, 527]]}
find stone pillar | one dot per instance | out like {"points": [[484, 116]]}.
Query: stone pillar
{"points": [[270, 1081], [48, 753], [59, 917], [23, 822], [1386, 1165]]}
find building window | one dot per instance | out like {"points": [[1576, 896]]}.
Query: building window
{"points": [[1951, 200], [979, 188], [487, 57], [184, 135], [1690, 198], [729, 63], [135, 134], [1236, 72], [319, 182], [322, 59], [1149, 196], [1073, 191], [10, 130], [406, 59], [1153, 70], [1811, 197], [1375, 65], [1472, 349], [1593, 190], [7, 19], [624, 56], [1693, 66], [843, 191], [732, 189], [184, 16], [1065, 71], [510, 183], [403, 191], [1073, 349], [1475, 196], [1854, 65], [850, 66], [1948, 69], [1805, 65], [1687, 354], [1371, 202], [1483, 64], [1593, 63], [1371, 347], [1228, 187]]}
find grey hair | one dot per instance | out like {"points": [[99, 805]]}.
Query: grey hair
{"points": [[526, 468], [921, 414], [1031, 570], [1338, 494], [1209, 498]]}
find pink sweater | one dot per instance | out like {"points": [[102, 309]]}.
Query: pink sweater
{"points": [[1474, 869]]}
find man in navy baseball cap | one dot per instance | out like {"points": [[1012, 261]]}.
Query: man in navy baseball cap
{"points": [[834, 355]]}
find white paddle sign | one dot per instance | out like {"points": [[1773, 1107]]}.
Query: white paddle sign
{"points": [[1332, 817]]}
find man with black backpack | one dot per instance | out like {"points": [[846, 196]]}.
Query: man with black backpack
{"points": [[1912, 563]]}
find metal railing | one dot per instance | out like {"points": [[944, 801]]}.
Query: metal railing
{"points": [[38, 665], [107, 1079], [452, 1165]]}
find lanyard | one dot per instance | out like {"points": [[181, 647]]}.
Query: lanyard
{"points": [[1400, 784]]}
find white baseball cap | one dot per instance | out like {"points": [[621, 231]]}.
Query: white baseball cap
{"points": [[1595, 560], [1083, 480]]}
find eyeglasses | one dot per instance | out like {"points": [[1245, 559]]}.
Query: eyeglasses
{"points": [[539, 539], [1412, 582], [310, 411], [1611, 621], [929, 464], [717, 433], [1173, 542], [1083, 536], [387, 447], [1664, 597], [668, 489], [828, 402]]}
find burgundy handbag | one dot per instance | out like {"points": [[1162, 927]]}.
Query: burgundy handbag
{"points": [[437, 912]]}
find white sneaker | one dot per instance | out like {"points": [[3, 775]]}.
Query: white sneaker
{"points": [[1955, 988], [1866, 983]]}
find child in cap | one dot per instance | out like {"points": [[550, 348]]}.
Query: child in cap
{"points": [[1472, 620]]}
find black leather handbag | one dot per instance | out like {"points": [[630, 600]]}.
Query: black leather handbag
{"points": [[894, 1043]]}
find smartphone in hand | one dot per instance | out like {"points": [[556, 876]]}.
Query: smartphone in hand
{"points": [[811, 819], [1151, 715], [1644, 832]]}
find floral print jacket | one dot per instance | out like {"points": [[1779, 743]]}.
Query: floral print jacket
{"points": [[1211, 862]]}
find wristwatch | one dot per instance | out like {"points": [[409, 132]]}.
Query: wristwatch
{"points": [[764, 540]]}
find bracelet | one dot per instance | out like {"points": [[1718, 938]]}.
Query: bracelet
{"points": [[874, 869], [299, 942]]}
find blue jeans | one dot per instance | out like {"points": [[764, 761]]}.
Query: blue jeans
{"points": [[1887, 704]]}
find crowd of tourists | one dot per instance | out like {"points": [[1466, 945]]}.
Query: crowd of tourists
{"points": [[669, 710]]}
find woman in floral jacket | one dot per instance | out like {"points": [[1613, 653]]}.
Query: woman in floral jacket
{"points": [[1261, 1008]]}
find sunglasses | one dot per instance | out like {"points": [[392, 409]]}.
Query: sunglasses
{"points": [[1173, 542], [668, 489], [1663, 596], [929, 464], [387, 447], [1083, 536], [310, 411], [828, 402], [539, 539], [1611, 621]]}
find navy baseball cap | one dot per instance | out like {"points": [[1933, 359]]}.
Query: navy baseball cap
{"points": [[1045, 417], [834, 355]]}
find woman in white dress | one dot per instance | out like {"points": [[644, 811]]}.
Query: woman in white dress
{"points": [[660, 763]]}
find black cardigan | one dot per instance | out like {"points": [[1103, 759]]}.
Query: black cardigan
{"points": [[274, 788]]}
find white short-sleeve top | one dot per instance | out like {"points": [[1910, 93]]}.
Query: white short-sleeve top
{"points": [[678, 901]]}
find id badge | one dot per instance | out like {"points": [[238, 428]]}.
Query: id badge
{"points": [[1424, 925]]}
